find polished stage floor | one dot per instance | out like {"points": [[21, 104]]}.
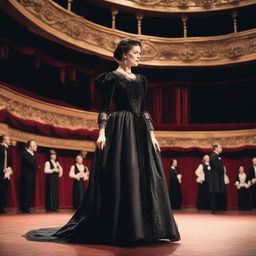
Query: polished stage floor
{"points": [[230, 234]]}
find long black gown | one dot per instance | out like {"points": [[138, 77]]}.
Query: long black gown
{"points": [[243, 194], [78, 189], [203, 197], [175, 194], [52, 190], [127, 198]]}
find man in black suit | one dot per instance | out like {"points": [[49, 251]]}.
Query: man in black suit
{"points": [[252, 178], [28, 173], [216, 178], [5, 170]]}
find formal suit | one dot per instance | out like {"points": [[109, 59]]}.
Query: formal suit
{"points": [[27, 180], [5, 162], [252, 175], [216, 181]]}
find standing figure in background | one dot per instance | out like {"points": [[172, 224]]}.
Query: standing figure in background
{"points": [[175, 188], [53, 171], [202, 173], [80, 173], [27, 178], [243, 194], [5, 171], [252, 178], [224, 195], [216, 179]]}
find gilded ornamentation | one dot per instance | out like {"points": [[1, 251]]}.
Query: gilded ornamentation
{"points": [[84, 35], [202, 139], [49, 142], [185, 4], [57, 116]]}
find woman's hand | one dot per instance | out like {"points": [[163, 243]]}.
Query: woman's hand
{"points": [[154, 141], [101, 141]]}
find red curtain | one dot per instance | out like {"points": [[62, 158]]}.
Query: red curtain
{"points": [[188, 161], [66, 159]]}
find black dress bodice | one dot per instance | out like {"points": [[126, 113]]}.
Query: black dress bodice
{"points": [[127, 94]]}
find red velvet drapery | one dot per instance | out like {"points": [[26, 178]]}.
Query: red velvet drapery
{"points": [[66, 159], [188, 160]]}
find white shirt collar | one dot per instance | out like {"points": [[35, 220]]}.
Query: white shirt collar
{"points": [[30, 151]]}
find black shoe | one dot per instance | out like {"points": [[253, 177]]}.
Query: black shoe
{"points": [[217, 212], [26, 211], [3, 211]]}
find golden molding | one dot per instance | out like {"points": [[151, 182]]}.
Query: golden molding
{"points": [[46, 113], [44, 141], [177, 6], [205, 139], [54, 22], [166, 139]]}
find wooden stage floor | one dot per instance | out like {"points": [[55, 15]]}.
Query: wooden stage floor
{"points": [[231, 234]]}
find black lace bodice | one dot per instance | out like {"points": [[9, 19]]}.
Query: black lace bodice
{"points": [[128, 94]]}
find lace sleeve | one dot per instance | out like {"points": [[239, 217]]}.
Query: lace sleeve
{"points": [[146, 114], [105, 85]]}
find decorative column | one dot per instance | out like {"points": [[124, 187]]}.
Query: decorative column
{"points": [[70, 5], [234, 16], [184, 19], [114, 12], [139, 20]]}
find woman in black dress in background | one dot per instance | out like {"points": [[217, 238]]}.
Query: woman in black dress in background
{"points": [[53, 171], [80, 173], [175, 188], [243, 193], [127, 198]]}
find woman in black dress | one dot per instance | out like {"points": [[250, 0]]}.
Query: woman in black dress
{"points": [[80, 173], [202, 173], [243, 194], [175, 194], [127, 198], [53, 171]]}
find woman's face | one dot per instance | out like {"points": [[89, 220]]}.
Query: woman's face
{"points": [[174, 163], [79, 159], [241, 169], [206, 158], [53, 157], [133, 56]]}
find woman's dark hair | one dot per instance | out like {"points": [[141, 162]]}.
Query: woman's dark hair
{"points": [[52, 152], [172, 160], [124, 46], [28, 143]]}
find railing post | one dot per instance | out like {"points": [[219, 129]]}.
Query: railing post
{"points": [[234, 16], [184, 19], [114, 12], [70, 5], [139, 20]]}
